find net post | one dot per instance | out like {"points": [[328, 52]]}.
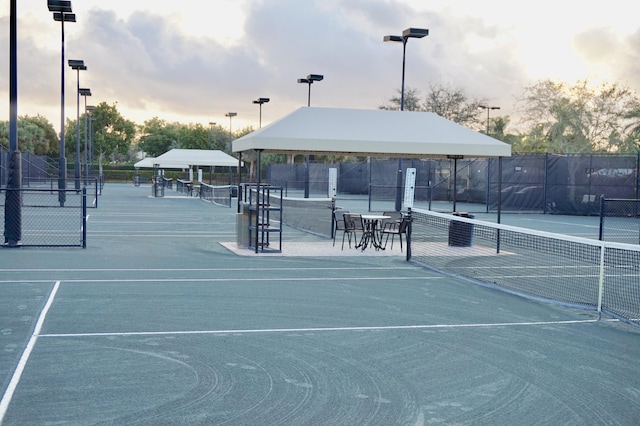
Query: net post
{"points": [[408, 239], [602, 212], [601, 280], [333, 217], [499, 218]]}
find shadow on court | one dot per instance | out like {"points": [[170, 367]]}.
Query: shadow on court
{"points": [[156, 322]]}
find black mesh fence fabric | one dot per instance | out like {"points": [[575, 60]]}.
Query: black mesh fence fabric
{"points": [[540, 183]]}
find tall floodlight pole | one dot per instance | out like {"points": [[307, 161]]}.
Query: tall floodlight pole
{"points": [[77, 65], [13, 197], [309, 80], [91, 141], [261, 101], [404, 38], [211, 124], [488, 108], [230, 115], [85, 92], [62, 13]]}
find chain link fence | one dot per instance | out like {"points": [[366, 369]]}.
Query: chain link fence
{"points": [[37, 218], [620, 220]]}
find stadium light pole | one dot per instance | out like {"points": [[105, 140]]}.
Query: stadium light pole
{"points": [[309, 80], [90, 108], [13, 195], [211, 124], [85, 92], [77, 65], [261, 101], [488, 108], [62, 13], [404, 38], [230, 115]]}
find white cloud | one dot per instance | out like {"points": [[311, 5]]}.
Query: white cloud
{"points": [[194, 61]]}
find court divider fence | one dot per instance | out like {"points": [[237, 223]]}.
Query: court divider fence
{"points": [[39, 220], [620, 220]]}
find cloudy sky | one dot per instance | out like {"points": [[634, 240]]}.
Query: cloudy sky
{"points": [[193, 61]]}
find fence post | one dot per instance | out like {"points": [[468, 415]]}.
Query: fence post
{"points": [[638, 176], [84, 217]]}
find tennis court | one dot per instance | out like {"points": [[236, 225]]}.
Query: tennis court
{"points": [[157, 322]]}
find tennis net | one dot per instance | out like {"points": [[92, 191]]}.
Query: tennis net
{"points": [[313, 215], [217, 194], [573, 271]]}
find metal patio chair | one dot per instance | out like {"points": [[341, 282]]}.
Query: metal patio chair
{"points": [[395, 228], [352, 225], [338, 221]]}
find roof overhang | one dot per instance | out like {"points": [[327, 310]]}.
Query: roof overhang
{"points": [[380, 133], [185, 158]]}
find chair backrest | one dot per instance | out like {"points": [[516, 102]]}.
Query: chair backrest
{"points": [[348, 222], [394, 217], [338, 219], [353, 222]]}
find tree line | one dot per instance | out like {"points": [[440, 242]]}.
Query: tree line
{"points": [[554, 117]]}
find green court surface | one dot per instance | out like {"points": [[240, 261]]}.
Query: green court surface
{"points": [[157, 322]]}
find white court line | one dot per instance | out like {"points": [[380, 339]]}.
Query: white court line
{"points": [[317, 329], [198, 280], [583, 225], [17, 374], [293, 268]]}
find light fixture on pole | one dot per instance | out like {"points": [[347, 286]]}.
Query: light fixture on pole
{"points": [[85, 92], [488, 108], [261, 101], [77, 65], [309, 80], [62, 13], [404, 38]]}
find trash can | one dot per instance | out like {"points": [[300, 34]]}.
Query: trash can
{"points": [[461, 233], [242, 226], [158, 186]]}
